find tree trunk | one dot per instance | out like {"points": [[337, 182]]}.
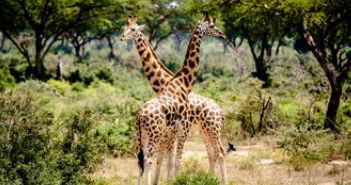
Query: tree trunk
{"points": [[260, 62], [77, 49], [39, 66], [2, 44], [333, 106], [262, 72], [59, 68], [111, 55]]}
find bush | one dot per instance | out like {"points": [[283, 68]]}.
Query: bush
{"points": [[256, 112], [25, 142], [346, 146], [82, 148], [305, 146], [200, 178], [36, 150], [6, 79]]}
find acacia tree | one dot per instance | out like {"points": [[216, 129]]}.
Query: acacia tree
{"points": [[163, 18], [256, 22], [43, 22], [325, 26]]}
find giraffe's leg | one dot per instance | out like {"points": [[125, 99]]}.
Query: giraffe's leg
{"points": [[158, 165], [151, 148], [140, 176], [170, 149], [219, 154], [209, 150], [182, 134]]}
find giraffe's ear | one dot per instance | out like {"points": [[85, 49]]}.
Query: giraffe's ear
{"points": [[141, 27], [205, 14]]}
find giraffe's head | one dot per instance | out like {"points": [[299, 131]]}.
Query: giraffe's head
{"points": [[131, 30], [208, 26]]}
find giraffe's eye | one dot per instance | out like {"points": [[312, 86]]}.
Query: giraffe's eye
{"points": [[133, 29]]}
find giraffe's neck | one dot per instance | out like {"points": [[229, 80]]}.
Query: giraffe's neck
{"points": [[157, 74], [187, 74]]}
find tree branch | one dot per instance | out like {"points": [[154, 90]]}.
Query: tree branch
{"points": [[19, 47], [319, 56]]}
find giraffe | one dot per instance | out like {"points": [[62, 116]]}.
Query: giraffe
{"points": [[204, 110], [207, 113]]}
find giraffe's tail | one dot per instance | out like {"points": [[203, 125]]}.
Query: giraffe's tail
{"points": [[141, 152], [141, 160]]}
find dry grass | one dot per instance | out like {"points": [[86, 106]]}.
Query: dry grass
{"points": [[250, 165]]}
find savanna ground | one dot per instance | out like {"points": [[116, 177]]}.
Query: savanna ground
{"points": [[85, 124], [255, 162]]}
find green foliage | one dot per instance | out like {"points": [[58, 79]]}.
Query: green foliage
{"points": [[35, 150], [6, 79], [256, 113], [26, 153], [200, 178], [305, 146], [346, 146], [81, 146]]}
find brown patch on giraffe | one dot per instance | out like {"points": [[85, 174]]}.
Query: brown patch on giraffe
{"points": [[147, 69], [147, 57], [192, 54], [183, 96], [190, 78], [186, 71], [151, 74], [197, 59], [192, 46], [141, 51], [186, 82], [155, 89], [191, 63], [156, 83]]}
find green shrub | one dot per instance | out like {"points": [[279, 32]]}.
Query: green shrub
{"points": [[305, 146], [82, 147], [105, 74], [256, 112], [81, 74], [200, 178], [77, 86], [61, 87], [36, 150], [6, 79], [346, 146], [25, 142]]}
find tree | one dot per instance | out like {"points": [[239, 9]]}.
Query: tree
{"points": [[325, 26], [42, 22], [163, 18], [256, 22]]}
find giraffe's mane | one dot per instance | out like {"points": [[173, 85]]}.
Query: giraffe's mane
{"points": [[187, 52], [157, 58]]}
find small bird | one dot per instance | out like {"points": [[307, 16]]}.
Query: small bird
{"points": [[231, 147]]}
